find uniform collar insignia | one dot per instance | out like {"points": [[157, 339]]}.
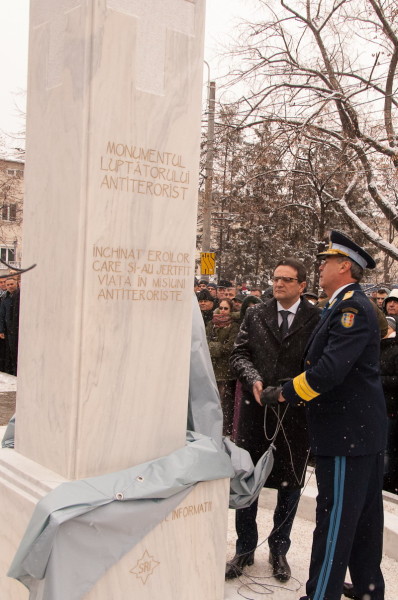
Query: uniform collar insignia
{"points": [[331, 304], [348, 295]]}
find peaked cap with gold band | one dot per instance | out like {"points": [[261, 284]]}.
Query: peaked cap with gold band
{"points": [[341, 245]]}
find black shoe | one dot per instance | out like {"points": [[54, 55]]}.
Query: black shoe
{"points": [[280, 567], [235, 566], [348, 591]]}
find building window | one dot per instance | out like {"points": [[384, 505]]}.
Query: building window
{"points": [[7, 254], [15, 172], [9, 212]]}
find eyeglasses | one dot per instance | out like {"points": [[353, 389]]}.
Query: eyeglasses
{"points": [[284, 279]]}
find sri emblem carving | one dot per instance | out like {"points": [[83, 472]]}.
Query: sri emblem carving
{"points": [[145, 567]]}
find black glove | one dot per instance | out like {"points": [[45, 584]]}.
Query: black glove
{"points": [[270, 395]]}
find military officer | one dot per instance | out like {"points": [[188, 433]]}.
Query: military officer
{"points": [[346, 415]]}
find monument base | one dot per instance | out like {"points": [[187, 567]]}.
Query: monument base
{"points": [[183, 557]]}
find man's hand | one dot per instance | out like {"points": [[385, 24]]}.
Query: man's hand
{"points": [[2, 336], [270, 396], [257, 391], [281, 398]]}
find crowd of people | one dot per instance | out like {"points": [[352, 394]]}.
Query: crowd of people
{"points": [[257, 342]]}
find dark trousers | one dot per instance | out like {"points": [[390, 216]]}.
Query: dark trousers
{"points": [[349, 527], [391, 457], [3, 350], [279, 538], [12, 342]]}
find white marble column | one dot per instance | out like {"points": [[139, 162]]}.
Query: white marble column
{"points": [[114, 109], [111, 188]]}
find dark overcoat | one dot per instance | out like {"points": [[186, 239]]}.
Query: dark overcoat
{"points": [[261, 354], [389, 374]]}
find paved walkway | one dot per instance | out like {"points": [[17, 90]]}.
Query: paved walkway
{"points": [[8, 387], [259, 582]]}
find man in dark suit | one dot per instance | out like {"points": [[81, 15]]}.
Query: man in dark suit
{"points": [[9, 323], [346, 414], [268, 349]]}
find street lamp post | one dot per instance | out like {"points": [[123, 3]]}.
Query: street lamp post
{"points": [[209, 169]]}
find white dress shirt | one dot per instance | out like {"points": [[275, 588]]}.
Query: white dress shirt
{"points": [[292, 309]]}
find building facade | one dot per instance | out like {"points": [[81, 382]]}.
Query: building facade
{"points": [[11, 211]]}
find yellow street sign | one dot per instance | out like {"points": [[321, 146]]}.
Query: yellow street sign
{"points": [[207, 263]]}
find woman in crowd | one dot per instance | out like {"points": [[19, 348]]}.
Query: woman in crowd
{"points": [[221, 332], [389, 380]]}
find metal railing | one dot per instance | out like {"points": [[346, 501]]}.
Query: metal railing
{"points": [[15, 263]]}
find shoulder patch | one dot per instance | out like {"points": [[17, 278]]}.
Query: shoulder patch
{"points": [[347, 319], [348, 295]]}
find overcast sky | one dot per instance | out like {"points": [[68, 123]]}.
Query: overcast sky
{"points": [[13, 63], [221, 20]]}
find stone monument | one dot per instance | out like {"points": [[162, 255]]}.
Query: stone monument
{"points": [[114, 104]]}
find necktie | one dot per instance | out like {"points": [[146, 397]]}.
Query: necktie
{"points": [[284, 326]]}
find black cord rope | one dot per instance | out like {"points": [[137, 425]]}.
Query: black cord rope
{"points": [[251, 584], [15, 269]]}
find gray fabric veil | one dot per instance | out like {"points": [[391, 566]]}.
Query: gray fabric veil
{"points": [[114, 512]]}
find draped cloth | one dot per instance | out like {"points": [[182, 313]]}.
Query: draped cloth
{"points": [[81, 528], [8, 438]]}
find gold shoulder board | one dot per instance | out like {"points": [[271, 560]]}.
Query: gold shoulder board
{"points": [[348, 295]]}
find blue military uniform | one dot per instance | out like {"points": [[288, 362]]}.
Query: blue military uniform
{"points": [[346, 415]]}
